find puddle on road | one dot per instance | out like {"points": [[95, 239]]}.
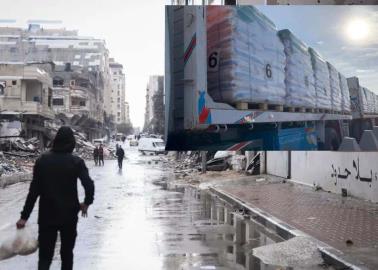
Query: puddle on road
{"points": [[226, 236]]}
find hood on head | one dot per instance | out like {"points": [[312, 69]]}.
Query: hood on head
{"points": [[64, 141]]}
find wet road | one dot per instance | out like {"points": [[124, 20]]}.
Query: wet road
{"points": [[136, 223]]}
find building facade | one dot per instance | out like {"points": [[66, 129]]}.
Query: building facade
{"points": [[26, 98], [154, 114], [81, 73], [118, 93]]}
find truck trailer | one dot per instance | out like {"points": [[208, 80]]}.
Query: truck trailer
{"points": [[194, 121]]}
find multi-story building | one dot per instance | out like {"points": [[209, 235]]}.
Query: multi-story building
{"points": [[81, 77], [154, 114], [25, 97], [127, 113], [117, 103]]}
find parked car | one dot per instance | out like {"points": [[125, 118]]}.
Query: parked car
{"points": [[151, 145]]}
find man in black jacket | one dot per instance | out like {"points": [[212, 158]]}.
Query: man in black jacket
{"points": [[54, 181], [120, 154]]}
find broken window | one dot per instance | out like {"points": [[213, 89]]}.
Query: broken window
{"points": [[58, 101], [82, 103], [57, 81], [67, 67]]}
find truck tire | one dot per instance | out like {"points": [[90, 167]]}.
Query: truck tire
{"points": [[332, 139]]}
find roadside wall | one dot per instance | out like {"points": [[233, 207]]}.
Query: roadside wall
{"points": [[332, 171], [277, 163]]}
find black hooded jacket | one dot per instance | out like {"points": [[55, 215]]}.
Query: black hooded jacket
{"points": [[55, 177]]}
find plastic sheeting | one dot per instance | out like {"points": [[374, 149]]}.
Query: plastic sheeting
{"points": [[334, 81], [368, 101], [369, 97], [251, 56], [322, 83], [299, 78], [17, 242], [345, 95]]}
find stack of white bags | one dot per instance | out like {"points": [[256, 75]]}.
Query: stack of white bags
{"points": [[252, 59], [334, 80], [299, 78], [345, 95], [322, 83], [257, 64], [368, 101]]}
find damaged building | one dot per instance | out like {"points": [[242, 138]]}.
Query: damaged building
{"points": [[80, 75], [25, 101], [77, 100]]}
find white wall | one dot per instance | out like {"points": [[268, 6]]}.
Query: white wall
{"points": [[334, 171], [277, 163]]}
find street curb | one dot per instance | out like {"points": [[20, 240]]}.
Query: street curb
{"points": [[15, 178], [330, 255]]}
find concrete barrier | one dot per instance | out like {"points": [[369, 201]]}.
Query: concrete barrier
{"points": [[15, 178], [368, 141], [349, 145]]}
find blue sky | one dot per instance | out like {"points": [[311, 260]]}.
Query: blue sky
{"points": [[325, 29]]}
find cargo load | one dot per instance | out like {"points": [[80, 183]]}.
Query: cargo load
{"points": [[364, 100], [334, 81], [246, 58], [322, 83], [299, 78], [345, 96], [370, 99]]}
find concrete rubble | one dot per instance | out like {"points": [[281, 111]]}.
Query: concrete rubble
{"points": [[296, 252], [17, 155]]}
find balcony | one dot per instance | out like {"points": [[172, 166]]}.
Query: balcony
{"points": [[12, 105]]}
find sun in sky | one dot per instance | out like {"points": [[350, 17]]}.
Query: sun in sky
{"points": [[357, 30]]}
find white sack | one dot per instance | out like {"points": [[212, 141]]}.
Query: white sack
{"points": [[251, 56], [345, 95], [17, 242], [299, 77], [322, 83], [334, 81]]}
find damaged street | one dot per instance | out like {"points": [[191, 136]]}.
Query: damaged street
{"points": [[162, 212]]}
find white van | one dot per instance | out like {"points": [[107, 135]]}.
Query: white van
{"points": [[151, 145]]}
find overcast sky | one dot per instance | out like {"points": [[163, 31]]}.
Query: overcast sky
{"points": [[134, 34], [133, 30]]}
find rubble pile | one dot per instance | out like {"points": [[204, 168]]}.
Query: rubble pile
{"points": [[15, 163], [19, 144], [187, 164]]}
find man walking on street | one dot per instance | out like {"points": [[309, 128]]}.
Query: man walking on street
{"points": [[95, 155], [120, 155], [101, 155], [54, 181]]}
